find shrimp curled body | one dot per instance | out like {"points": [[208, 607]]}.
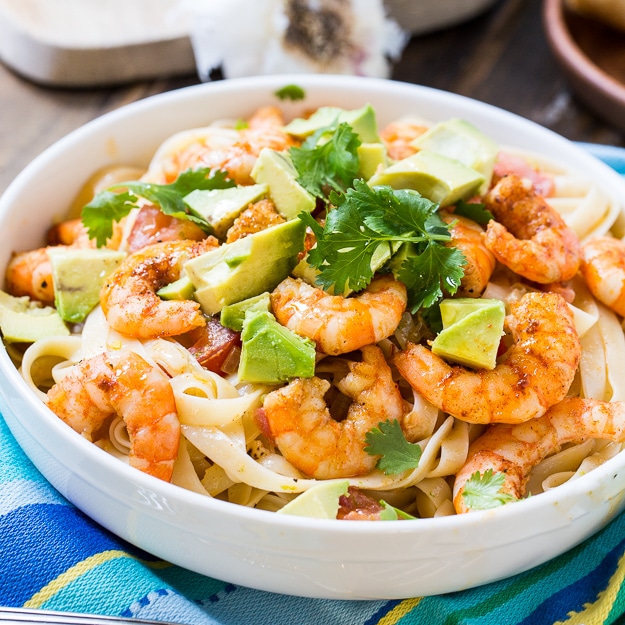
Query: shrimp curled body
{"points": [[515, 449], [299, 421], [467, 236], [129, 298], [340, 324], [529, 236], [603, 268], [535, 373], [127, 385]]}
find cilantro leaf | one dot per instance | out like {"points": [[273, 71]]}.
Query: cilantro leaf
{"points": [[483, 491], [388, 441], [327, 160], [474, 211], [290, 92], [390, 513], [105, 208], [422, 274], [108, 207], [365, 219], [344, 250]]}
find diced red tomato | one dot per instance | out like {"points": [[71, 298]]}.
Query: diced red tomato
{"points": [[213, 344], [152, 226], [511, 164], [356, 506]]}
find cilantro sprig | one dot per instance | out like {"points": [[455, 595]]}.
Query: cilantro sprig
{"points": [[483, 491], [108, 206], [396, 453], [327, 160], [368, 218], [473, 210], [290, 92]]}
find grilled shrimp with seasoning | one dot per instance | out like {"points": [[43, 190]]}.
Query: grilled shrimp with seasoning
{"points": [[127, 385], [129, 300], [297, 418], [515, 449], [534, 374]]}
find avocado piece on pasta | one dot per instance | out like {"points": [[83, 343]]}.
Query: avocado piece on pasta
{"points": [[23, 321]]}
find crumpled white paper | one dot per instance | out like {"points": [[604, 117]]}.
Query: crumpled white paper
{"points": [[254, 37]]}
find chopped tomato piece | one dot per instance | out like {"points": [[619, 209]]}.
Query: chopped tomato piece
{"points": [[511, 164], [153, 226], [213, 344]]}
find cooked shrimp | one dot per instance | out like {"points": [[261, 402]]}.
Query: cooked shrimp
{"points": [[129, 298], [603, 268], [467, 236], [297, 418], [533, 375], [264, 130], [254, 218], [30, 274], [398, 137], [515, 449], [123, 384], [529, 236], [340, 324], [71, 232]]}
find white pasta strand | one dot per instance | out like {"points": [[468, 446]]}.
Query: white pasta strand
{"points": [[236, 463]]}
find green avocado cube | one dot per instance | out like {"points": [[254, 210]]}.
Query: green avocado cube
{"points": [[232, 315], [472, 331], [362, 120], [78, 276], [461, 140], [371, 156], [220, 207], [437, 177], [23, 321], [321, 501], [271, 353], [178, 289], [246, 267], [276, 170]]}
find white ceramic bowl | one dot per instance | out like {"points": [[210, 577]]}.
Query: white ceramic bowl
{"points": [[331, 559]]}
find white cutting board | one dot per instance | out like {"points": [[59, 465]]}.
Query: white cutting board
{"points": [[79, 43]]}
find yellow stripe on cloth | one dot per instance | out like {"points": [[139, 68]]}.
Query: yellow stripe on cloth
{"points": [[596, 613], [76, 571], [399, 611]]}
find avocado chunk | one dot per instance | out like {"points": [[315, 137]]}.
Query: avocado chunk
{"points": [[362, 120], [320, 501], [232, 315], [461, 140], [271, 353], [24, 321], [475, 332], [246, 267], [276, 170], [179, 289], [220, 207], [439, 178], [372, 156], [78, 276]]}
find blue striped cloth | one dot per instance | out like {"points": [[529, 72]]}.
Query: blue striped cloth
{"points": [[54, 557]]}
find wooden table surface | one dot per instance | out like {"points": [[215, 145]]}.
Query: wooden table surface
{"points": [[501, 57]]}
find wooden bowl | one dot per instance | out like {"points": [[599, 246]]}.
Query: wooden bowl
{"points": [[592, 56]]}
